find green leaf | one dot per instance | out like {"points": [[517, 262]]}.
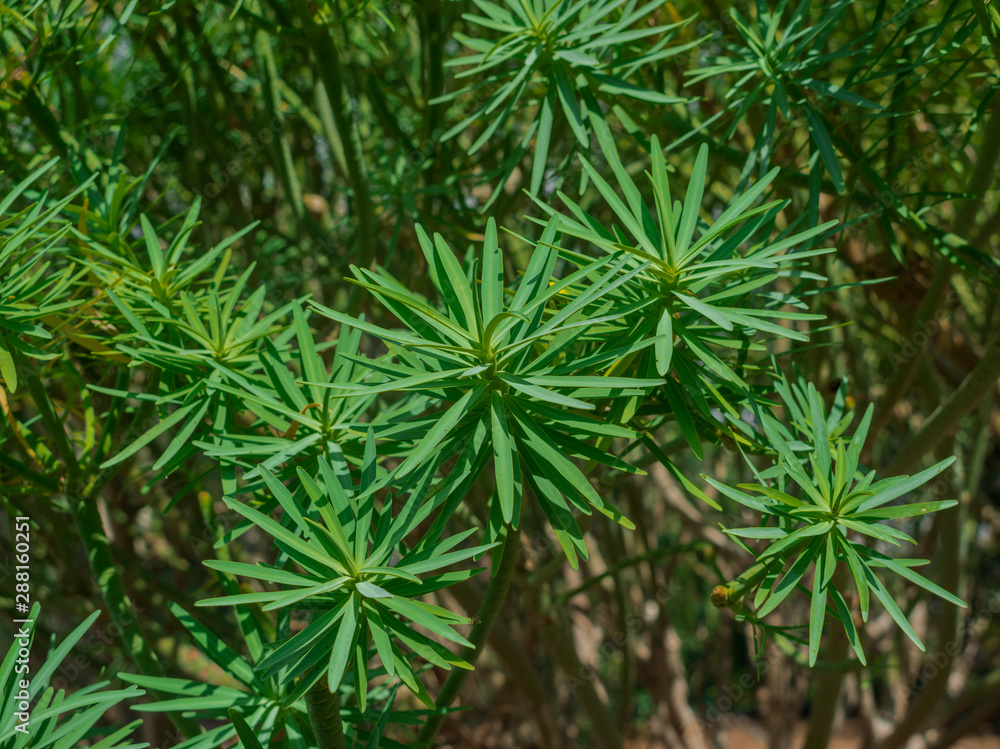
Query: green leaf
{"points": [[183, 436], [684, 419], [744, 499], [838, 92], [664, 346], [847, 619], [858, 572], [282, 535], [8, 370], [492, 284], [542, 140], [544, 394], [826, 150], [715, 314], [821, 437], [445, 424], [370, 590], [428, 616], [570, 105], [248, 740], [381, 638], [343, 646], [151, 434], [791, 578], [796, 536], [825, 565], [774, 494], [904, 511], [890, 606], [692, 201], [152, 246], [880, 560], [503, 457], [897, 489], [756, 532]]}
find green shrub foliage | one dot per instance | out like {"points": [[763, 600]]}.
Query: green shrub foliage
{"points": [[383, 299]]}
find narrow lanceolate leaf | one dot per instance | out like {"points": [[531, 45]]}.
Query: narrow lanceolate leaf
{"points": [[248, 739], [343, 647], [259, 571], [492, 285], [797, 536], [890, 605], [791, 578], [280, 533], [847, 619], [826, 149], [148, 436], [429, 616], [825, 564], [756, 532], [503, 457], [880, 560], [544, 394], [152, 246], [542, 141], [8, 371], [904, 511], [692, 201], [371, 590], [900, 488], [857, 442], [664, 346], [858, 573], [715, 314], [183, 436], [744, 499], [448, 421]]}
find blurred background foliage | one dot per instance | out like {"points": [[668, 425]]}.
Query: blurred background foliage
{"points": [[242, 156]]}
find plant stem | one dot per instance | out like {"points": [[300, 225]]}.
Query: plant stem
{"points": [[980, 180], [559, 642], [55, 428], [614, 552], [730, 594], [614, 569], [988, 16], [272, 101], [324, 715], [900, 380], [936, 687], [270, 83], [496, 594], [519, 667], [97, 547], [62, 141], [433, 42], [951, 567], [946, 417], [826, 697], [102, 563], [968, 716], [26, 472], [328, 62]]}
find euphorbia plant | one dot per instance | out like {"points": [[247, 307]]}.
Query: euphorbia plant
{"points": [[822, 510], [395, 416], [344, 549], [507, 370]]}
